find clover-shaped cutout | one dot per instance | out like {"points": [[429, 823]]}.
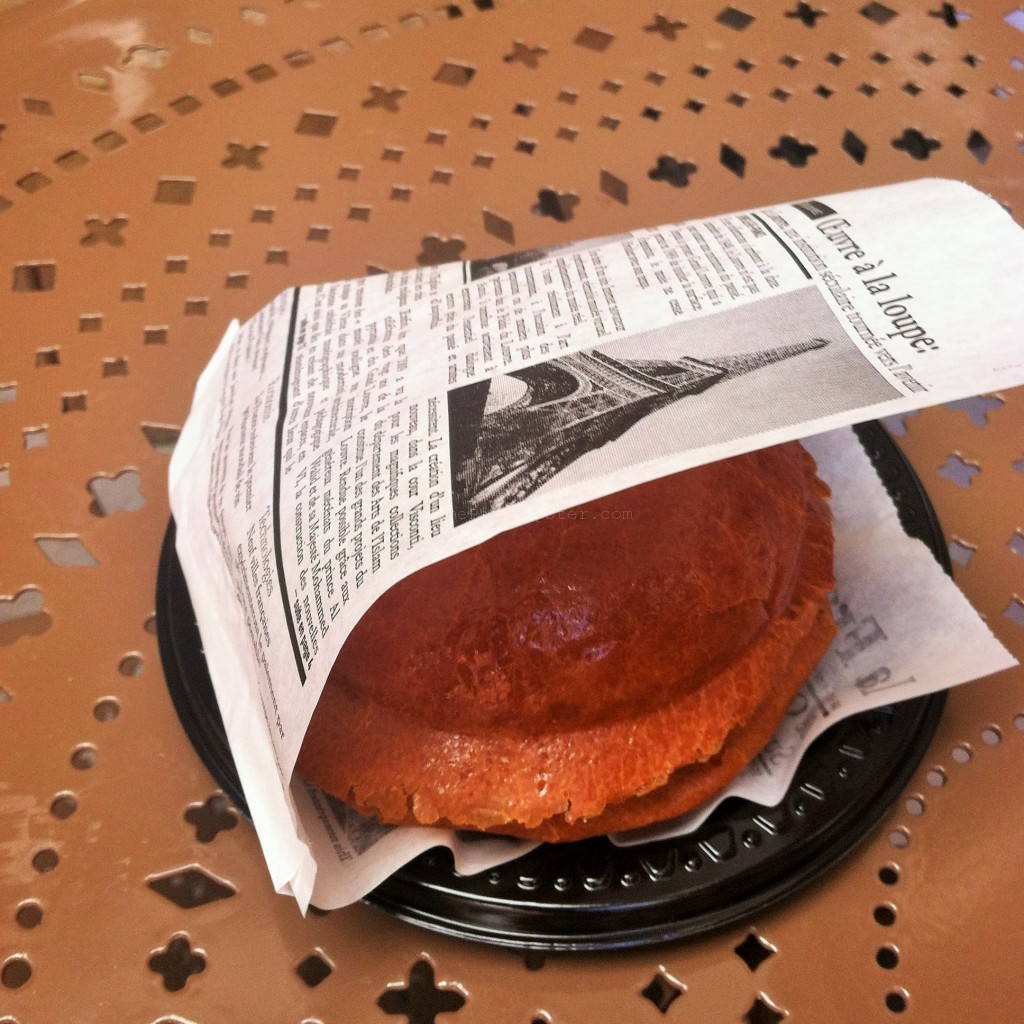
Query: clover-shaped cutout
{"points": [[672, 171], [23, 615], [558, 205], [421, 1000], [119, 493], [211, 818], [793, 151], [977, 408], [916, 145], [436, 249], [177, 962]]}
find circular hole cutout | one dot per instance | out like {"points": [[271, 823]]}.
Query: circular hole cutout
{"points": [[16, 972], [45, 860], [64, 805], [29, 914], [896, 1000], [106, 709], [887, 958], [936, 777], [991, 736], [131, 664], [889, 874], [915, 805], [83, 757], [961, 753], [899, 838], [1018, 722], [885, 914]]}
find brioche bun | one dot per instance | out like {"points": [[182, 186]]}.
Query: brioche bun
{"points": [[592, 672]]}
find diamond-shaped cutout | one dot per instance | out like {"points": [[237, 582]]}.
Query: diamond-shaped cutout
{"points": [[499, 227], [663, 990], [854, 147], [315, 969], [979, 146], [878, 13], [733, 17], [315, 122], [614, 187], [66, 551], [452, 73], [190, 887], [730, 159], [754, 950], [594, 39], [175, 191], [161, 436], [764, 1011]]}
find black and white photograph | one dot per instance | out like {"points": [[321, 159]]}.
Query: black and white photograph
{"points": [[782, 360]]}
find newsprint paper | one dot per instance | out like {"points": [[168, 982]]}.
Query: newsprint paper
{"points": [[350, 433]]}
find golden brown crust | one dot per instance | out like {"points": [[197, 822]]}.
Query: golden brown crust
{"points": [[531, 701]]}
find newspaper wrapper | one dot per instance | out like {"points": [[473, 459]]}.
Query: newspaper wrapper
{"points": [[351, 433]]}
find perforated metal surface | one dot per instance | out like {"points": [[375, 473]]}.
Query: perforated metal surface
{"points": [[163, 169]]}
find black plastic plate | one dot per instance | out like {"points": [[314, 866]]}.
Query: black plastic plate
{"points": [[592, 895]]}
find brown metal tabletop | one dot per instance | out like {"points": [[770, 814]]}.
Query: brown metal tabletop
{"points": [[165, 168]]}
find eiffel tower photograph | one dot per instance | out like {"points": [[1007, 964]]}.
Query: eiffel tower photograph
{"points": [[513, 433]]}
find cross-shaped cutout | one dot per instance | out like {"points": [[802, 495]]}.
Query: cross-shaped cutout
{"points": [[244, 156], [665, 27], [421, 1000], [529, 56], [108, 231], [386, 99]]}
